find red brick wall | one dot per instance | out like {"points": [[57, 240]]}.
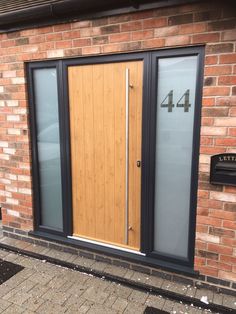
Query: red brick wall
{"points": [[207, 24]]}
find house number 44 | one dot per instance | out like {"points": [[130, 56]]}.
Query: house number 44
{"points": [[182, 102]]}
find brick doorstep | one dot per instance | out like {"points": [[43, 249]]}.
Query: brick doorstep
{"points": [[156, 284]]}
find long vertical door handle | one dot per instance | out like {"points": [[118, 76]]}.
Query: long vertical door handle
{"points": [[127, 156]]}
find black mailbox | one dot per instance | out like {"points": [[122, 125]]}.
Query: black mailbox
{"points": [[223, 169]]}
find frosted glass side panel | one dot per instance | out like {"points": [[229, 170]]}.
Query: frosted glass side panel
{"points": [[48, 142], [176, 87]]}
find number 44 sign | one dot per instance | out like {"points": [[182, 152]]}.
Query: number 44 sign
{"points": [[182, 102]]}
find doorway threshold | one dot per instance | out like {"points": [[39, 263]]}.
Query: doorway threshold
{"points": [[116, 247]]}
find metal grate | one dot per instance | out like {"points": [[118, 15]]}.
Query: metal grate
{"points": [[17, 5], [7, 270]]}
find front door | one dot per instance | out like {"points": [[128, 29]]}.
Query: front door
{"points": [[105, 102]]}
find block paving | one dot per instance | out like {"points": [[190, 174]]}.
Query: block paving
{"points": [[42, 287]]}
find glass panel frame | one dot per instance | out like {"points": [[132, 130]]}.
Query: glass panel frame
{"points": [[48, 147], [174, 136], [38, 223], [149, 157]]}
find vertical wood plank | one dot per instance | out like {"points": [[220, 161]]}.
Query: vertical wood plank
{"points": [[77, 148], [99, 146], [120, 162], [87, 86]]}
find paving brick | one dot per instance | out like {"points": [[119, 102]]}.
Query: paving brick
{"points": [[33, 303], [155, 301], [95, 295], [55, 296], [133, 308], [50, 308], [120, 304], [138, 297]]}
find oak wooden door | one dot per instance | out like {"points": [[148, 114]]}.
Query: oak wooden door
{"points": [[105, 132]]}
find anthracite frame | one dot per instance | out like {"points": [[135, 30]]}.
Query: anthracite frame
{"points": [[150, 62]]}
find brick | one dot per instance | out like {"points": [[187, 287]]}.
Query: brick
{"points": [[215, 204], [205, 130], [227, 80], [73, 52], [154, 22], [70, 34], [234, 90], [232, 112], [219, 265], [207, 254], [153, 43], [221, 232], [81, 24], [227, 275], [142, 15], [119, 37], [140, 35], [18, 80], [225, 197], [211, 60], [100, 22], [225, 121], [63, 44], [9, 151], [177, 40], [166, 31], [228, 241], [222, 214], [222, 25], [62, 27], [22, 41], [53, 37], [199, 245], [192, 28], [91, 50], [208, 102], [215, 112], [13, 118], [207, 237], [202, 211], [210, 221], [180, 19], [208, 270], [218, 70], [205, 38], [88, 32], [226, 101], [206, 15], [82, 42], [219, 249], [3, 144], [206, 121], [206, 140], [226, 141], [216, 91], [219, 48], [120, 18], [210, 81], [230, 189], [228, 58], [229, 35], [131, 26], [230, 207], [100, 40], [131, 46], [110, 29]]}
